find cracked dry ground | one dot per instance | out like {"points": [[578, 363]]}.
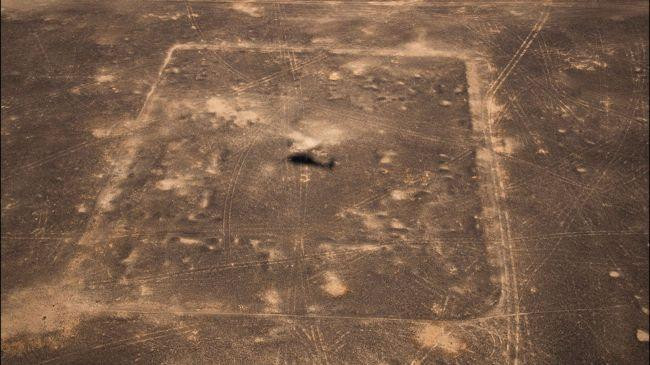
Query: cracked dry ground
{"points": [[321, 182]]}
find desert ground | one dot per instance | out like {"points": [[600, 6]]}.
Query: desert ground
{"points": [[324, 182]]}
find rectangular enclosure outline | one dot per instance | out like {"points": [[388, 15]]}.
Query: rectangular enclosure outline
{"points": [[479, 102]]}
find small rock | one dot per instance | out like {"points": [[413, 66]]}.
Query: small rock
{"points": [[445, 103], [642, 335]]}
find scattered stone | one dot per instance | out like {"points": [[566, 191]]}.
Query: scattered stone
{"points": [[104, 78], [445, 103], [334, 76], [81, 208], [333, 285], [371, 87], [396, 224], [642, 335], [435, 336]]}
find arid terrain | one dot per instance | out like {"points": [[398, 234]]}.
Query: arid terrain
{"points": [[324, 182]]}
